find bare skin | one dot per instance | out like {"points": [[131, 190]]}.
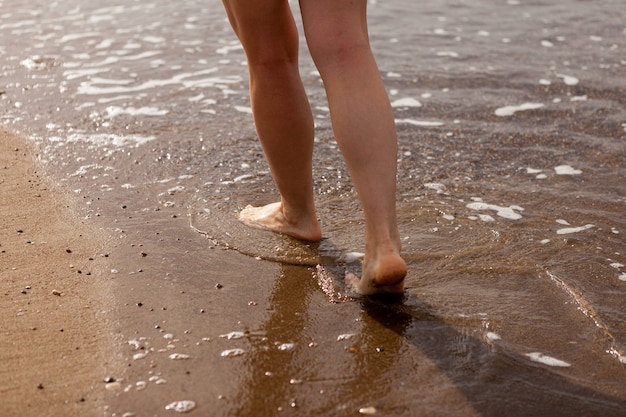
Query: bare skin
{"points": [[271, 217], [362, 119]]}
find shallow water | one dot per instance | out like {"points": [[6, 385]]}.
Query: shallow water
{"points": [[511, 118]]}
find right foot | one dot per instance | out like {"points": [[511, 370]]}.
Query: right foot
{"points": [[383, 275], [272, 217]]}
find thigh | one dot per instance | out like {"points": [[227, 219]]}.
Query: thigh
{"points": [[266, 28]]}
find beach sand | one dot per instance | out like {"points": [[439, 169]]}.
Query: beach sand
{"points": [[54, 348]]}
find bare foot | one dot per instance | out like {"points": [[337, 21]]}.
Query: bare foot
{"points": [[382, 275], [272, 217]]}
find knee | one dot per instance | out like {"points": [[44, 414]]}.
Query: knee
{"points": [[337, 51], [272, 57]]}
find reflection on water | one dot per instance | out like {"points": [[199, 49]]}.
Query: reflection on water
{"points": [[512, 125]]}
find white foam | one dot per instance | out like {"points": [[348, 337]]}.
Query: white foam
{"points": [[622, 277], [178, 356], [437, 186], [183, 406], [422, 123], [506, 212], [286, 347], [121, 86], [566, 170], [547, 360], [510, 110], [244, 109], [533, 171], [493, 336], [233, 335], [406, 102], [579, 98], [225, 50], [73, 74], [617, 265], [568, 79], [105, 139], [229, 353], [546, 43], [569, 230], [451, 54], [113, 111]]}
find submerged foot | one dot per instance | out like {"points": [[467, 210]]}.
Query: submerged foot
{"points": [[272, 217], [383, 275]]}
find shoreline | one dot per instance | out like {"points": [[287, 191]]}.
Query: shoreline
{"points": [[57, 346]]}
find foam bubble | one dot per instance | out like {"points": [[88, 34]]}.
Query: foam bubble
{"points": [[178, 356], [113, 111], [437, 186], [286, 347], [230, 353], [244, 109], [510, 110], [406, 102], [547, 360], [533, 171], [233, 335], [104, 139], [568, 79], [181, 406], [493, 336], [569, 230], [451, 54], [506, 212], [423, 123], [566, 170]]}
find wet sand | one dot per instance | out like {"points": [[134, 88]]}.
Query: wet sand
{"points": [[56, 347]]}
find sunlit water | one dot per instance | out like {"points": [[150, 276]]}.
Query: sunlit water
{"points": [[511, 118]]}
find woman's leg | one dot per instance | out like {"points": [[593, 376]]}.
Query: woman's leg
{"points": [[363, 123], [282, 114]]}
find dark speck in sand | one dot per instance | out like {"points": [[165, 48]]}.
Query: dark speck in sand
{"points": [[20, 231], [219, 286]]}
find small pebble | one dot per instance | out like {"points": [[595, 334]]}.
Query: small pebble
{"points": [[368, 410], [112, 386], [56, 292]]}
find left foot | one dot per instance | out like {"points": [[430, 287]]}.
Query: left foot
{"points": [[272, 217]]}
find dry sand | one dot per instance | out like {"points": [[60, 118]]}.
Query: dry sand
{"points": [[55, 345]]}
